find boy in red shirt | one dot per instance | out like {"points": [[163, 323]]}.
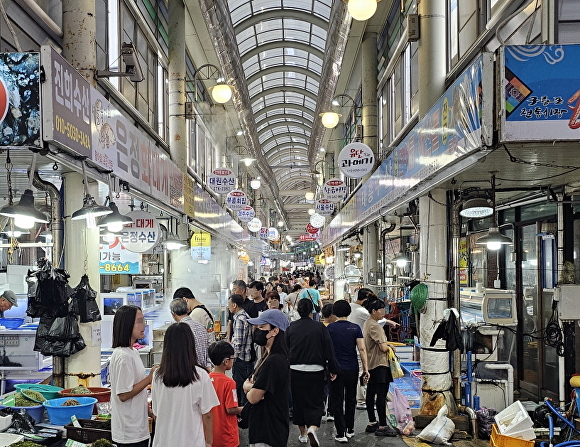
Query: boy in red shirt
{"points": [[225, 421]]}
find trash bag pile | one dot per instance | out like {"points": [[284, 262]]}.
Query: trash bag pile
{"points": [[58, 306]]}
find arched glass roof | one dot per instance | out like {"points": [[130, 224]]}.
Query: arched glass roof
{"points": [[281, 44]]}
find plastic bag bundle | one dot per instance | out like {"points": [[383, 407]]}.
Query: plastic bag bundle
{"points": [[440, 430], [50, 298], [48, 289], [485, 421], [85, 299]]}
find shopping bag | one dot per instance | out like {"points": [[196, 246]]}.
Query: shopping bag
{"points": [[395, 363], [402, 411]]}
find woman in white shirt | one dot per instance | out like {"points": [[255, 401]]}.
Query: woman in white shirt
{"points": [[182, 393], [129, 412]]}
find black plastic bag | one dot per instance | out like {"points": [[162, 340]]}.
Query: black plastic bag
{"points": [[22, 422], [85, 299], [59, 335], [48, 289], [64, 328], [485, 419], [449, 331]]}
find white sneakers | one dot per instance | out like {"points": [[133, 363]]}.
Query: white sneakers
{"points": [[303, 439], [312, 437]]}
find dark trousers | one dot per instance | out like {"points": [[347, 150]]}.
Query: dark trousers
{"points": [[307, 397], [343, 392], [377, 388], [135, 444], [240, 372]]}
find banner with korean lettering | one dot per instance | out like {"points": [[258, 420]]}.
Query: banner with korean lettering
{"points": [[142, 234], [165, 178], [541, 92], [457, 125], [66, 104], [188, 196], [118, 145], [20, 120], [117, 260]]}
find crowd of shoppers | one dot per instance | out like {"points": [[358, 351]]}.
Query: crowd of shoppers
{"points": [[284, 363]]}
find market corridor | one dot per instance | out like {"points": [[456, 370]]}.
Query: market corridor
{"points": [[326, 437]]}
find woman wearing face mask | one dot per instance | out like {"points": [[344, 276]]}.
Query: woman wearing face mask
{"points": [[267, 389]]}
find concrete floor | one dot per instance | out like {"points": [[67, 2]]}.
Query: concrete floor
{"points": [[326, 437]]}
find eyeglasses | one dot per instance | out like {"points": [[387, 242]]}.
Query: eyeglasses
{"points": [[231, 358]]}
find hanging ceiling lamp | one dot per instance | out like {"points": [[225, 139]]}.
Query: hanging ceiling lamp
{"points": [[15, 233], [330, 119], [24, 213], [362, 9], [400, 260], [494, 239], [114, 221], [221, 93], [90, 209], [477, 207], [172, 242]]}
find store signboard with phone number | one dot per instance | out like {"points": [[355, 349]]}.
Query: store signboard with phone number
{"points": [[114, 259]]}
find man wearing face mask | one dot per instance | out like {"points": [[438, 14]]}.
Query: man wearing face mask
{"points": [[267, 389]]}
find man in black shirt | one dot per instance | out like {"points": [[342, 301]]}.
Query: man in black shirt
{"points": [[256, 292]]}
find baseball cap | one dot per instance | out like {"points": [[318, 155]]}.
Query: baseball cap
{"points": [[10, 296], [274, 317]]}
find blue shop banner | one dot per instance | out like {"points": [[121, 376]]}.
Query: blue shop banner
{"points": [[541, 92], [458, 124]]}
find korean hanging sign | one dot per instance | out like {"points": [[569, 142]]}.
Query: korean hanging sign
{"points": [[142, 234]]}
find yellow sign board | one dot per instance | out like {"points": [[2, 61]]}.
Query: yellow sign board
{"points": [[188, 196]]}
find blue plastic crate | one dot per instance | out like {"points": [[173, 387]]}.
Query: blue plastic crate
{"points": [[410, 366]]}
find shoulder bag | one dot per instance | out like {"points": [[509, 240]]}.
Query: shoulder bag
{"points": [[244, 416], [395, 364], [316, 306]]}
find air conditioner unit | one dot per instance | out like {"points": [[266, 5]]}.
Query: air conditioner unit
{"points": [[413, 33]]}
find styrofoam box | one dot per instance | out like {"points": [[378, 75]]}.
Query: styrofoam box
{"points": [[21, 270], [7, 439], [5, 422], [513, 419], [527, 434]]}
